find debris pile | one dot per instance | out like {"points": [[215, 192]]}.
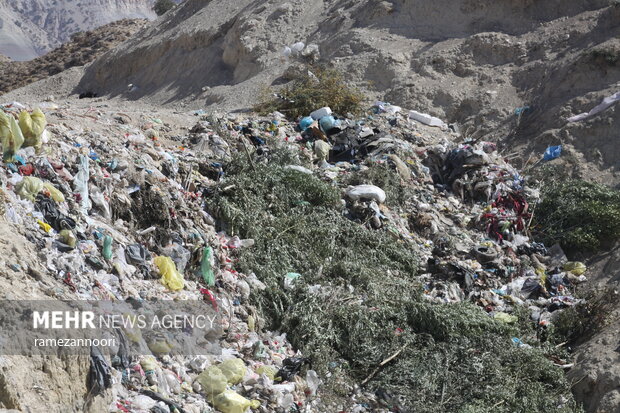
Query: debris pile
{"points": [[138, 212]]}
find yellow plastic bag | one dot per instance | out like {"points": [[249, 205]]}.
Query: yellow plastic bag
{"points": [[44, 226], [231, 402], [213, 381], [11, 136], [506, 318], [29, 187], [233, 369], [149, 363], [55, 193], [67, 237], [170, 276], [575, 267], [32, 127], [267, 371]]}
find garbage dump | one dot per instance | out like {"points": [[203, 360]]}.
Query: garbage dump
{"points": [[141, 214]]}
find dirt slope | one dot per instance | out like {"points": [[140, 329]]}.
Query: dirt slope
{"points": [[471, 62]]}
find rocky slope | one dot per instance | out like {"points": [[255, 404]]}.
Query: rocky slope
{"points": [[80, 50], [29, 28]]}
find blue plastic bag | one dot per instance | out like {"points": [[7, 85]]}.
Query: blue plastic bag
{"points": [[304, 123], [552, 152]]}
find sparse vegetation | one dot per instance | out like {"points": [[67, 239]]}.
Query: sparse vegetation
{"points": [[577, 324], [608, 55], [162, 6], [315, 87], [581, 216]]}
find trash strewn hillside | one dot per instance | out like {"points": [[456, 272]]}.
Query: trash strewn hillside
{"points": [[372, 263]]}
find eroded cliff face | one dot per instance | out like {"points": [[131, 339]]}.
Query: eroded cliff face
{"points": [[29, 28]]}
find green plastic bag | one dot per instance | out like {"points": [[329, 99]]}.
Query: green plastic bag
{"points": [[206, 267], [107, 247], [32, 127], [234, 370], [170, 276], [232, 402], [213, 381], [11, 136]]}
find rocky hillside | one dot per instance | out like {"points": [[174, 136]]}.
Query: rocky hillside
{"points": [[30, 28], [81, 49], [470, 62]]}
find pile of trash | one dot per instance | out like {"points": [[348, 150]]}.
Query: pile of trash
{"points": [[128, 215]]}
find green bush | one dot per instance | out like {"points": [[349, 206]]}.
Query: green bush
{"points": [[581, 216], [454, 358], [162, 6], [315, 87]]}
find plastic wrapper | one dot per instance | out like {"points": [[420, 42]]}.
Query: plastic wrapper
{"points": [[170, 277]]}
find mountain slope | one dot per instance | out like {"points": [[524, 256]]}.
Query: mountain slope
{"points": [[29, 28], [80, 50]]}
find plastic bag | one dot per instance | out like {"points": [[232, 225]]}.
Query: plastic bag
{"points": [[206, 267], [290, 367], [234, 370], [29, 187], [232, 402], [67, 237], [506, 318], [170, 277], [52, 215], [321, 150], [80, 183], [11, 136], [107, 247], [268, 371], [99, 376], [213, 381], [44, 226], [32, 127], [54, 192], [575, 267], [366, 192], [305, 122]]}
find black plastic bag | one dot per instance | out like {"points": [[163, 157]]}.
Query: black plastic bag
{"points": [[52, 215], [290, 368], [156, 396], [99, 377], [138, 255]]}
